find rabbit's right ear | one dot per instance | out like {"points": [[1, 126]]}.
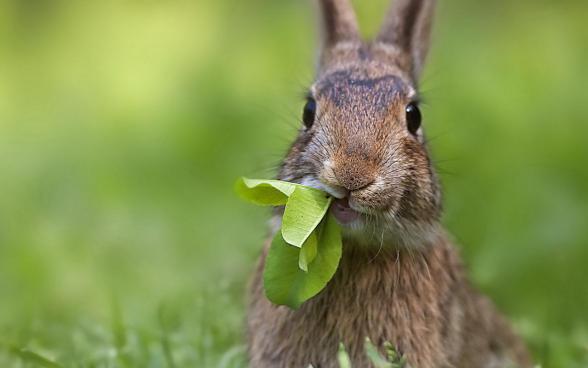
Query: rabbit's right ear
{"points": [[339, 24]]}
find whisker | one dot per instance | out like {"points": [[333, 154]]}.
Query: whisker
{"points": [[380, 248]]}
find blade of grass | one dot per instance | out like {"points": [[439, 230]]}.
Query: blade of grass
{"points": [[29, 356], [374, 355], [343, 357], [165, 344], [119, 334]]}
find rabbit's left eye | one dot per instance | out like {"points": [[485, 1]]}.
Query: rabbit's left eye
{"points": [[309, 112], [413, 118]]}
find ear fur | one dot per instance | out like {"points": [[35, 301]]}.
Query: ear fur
{"points": [[407, 26], [339, 23]]}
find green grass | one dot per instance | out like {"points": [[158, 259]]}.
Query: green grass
{"points": [[123, 126]]}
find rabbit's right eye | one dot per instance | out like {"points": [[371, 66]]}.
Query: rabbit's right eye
{"points": [[413, 118], [309, 112]]}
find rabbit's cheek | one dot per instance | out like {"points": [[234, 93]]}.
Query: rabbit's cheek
{"points": [[364, 200]]}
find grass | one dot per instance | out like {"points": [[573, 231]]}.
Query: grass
{"points": [[123, 126], [183, 335]]}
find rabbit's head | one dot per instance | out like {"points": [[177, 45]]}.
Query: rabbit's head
{"points": [[361, 137]]}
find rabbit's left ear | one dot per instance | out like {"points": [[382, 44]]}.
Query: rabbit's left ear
{"points": [[408, 27]]}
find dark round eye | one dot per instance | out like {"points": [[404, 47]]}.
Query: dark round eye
{"points": [[309, 112], [413, 118]]}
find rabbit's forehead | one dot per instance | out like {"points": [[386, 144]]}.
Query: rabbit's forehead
{"points": [[349, 87]]}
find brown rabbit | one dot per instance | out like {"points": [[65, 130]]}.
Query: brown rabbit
{"points": [[400, 279]]}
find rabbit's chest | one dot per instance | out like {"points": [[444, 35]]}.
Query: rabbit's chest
{"points": [[403, 301], [384, 306]]}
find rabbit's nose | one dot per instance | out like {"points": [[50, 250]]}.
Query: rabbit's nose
{"points": [[349, 172], [353, 178]]}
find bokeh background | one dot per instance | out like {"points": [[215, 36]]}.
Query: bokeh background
{"points": [[123, 125]]}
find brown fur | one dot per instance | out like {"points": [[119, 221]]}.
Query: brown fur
{"points": [[419, 301], [400, 279]]}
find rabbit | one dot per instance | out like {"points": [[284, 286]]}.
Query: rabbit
{"points": [[400, 279]]}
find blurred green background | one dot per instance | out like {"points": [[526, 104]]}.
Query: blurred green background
{"points": [[123, 125]]}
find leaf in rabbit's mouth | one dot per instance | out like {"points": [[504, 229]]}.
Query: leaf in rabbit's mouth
{"points": [[305, 253], [344, 214]]}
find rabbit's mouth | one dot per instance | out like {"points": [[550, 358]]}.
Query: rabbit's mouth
{"points": [[371, 225], [344, 214]]}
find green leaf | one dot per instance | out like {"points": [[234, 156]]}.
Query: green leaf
{"points": [[264, 192], [285, 283], [304, 211], [305, 253], [308, 252]]}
